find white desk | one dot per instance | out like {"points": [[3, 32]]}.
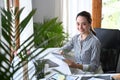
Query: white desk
{"points": [[81, 75], [19, 74]]}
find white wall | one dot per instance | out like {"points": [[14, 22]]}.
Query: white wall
{"points": [[45, 9]]}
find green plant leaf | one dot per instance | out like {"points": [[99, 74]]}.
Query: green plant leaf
{"points": [[51, 31], [26, 20]]}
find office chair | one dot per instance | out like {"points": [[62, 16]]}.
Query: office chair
{"points": [[110, 48]]}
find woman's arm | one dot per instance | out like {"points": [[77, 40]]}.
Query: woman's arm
{"points": [[72, 64], [67, 47]]}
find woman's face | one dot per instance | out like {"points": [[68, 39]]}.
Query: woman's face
{"points": [[83, 25]]}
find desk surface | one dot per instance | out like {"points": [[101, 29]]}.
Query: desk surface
{"points": [[31, 72], [116, 76]]}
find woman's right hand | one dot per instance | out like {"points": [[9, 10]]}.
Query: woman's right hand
{"points": [[70, 63]]}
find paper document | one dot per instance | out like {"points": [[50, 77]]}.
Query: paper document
{"points": [[58, 76], [63, 67], [58, 55], [95, 79], [51, 63]]}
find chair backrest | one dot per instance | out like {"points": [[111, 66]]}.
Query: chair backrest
{"points": [[110, 38], [110, 48]]}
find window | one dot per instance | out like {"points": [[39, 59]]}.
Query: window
{"points": [[111, 14]]}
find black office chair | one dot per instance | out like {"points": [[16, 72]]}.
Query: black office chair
{"points": [[110, 48], [109, 60]]}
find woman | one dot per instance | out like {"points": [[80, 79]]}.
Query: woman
{"points": [[86, 46]]}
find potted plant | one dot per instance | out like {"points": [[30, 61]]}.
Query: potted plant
{"points": [[54, 33], [8, 46]]}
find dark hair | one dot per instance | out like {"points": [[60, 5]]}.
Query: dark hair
{"points": [[88, 17]]}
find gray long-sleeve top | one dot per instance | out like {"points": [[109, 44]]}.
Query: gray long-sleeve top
{"points": [[86, 52]]}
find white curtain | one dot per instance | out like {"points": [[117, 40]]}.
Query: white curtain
{"points": [[70, 10], [1, 6], [29, 28], [59, 9]]}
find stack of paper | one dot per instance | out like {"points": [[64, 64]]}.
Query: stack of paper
{"points": [[57, 59], [96, 78]]}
